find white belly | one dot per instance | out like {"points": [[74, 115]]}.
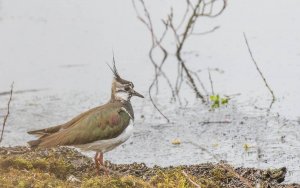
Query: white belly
{"points": [[107, 145]]}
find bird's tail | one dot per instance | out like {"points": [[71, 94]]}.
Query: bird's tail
{"points": [[34, 143]]}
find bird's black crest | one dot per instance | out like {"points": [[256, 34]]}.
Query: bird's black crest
{"points": [[114, 69]]}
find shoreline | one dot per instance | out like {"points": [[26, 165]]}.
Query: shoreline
{"points": [[67, 167]]}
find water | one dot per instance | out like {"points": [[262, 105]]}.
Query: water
{"points": [[60, 49]]}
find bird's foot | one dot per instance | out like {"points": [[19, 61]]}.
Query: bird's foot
{"points": [[105, 170], [100, 164]]}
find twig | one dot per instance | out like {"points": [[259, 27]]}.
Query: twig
{"points": [[259, 71], [155, 43], [14, 151], [155, 106], [207, 32], [111, 171], [181, 39], [215, 122], [182, 32], [190, 180], [216, 158], [211, 83], [241, 178], [21, 91], [191, 80], [200, 82], [6, 116], [184, 16]]}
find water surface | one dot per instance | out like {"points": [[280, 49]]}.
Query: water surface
{"points": [[57, 51]]}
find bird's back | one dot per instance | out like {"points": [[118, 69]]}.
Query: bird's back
{"points": [[100, 123]]}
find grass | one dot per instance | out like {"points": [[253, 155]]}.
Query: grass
{"points": [[21, 167]]}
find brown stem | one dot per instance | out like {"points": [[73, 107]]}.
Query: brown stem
{"points": [[190, 180], [233, 172], [198, 94], [6, 116], [259, 71]]}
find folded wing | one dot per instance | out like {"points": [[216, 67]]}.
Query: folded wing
{"points": [[96, 124]]}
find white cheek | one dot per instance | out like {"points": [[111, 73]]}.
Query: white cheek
{"points": [[122, 95], [119, 89]]}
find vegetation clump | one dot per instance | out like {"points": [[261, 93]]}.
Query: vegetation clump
{"points": [[217, 101], [126, 181], [65, 167]]}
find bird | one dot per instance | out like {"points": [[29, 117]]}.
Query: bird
{"points": [[100, 129]]}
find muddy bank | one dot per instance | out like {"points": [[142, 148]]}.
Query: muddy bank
{"points": [[22, 167]]}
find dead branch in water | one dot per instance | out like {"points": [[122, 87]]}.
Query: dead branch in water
{"points": [[181, 32], [207, 32], [211, 83], [199, 9], [259, 71], [215, 122], [6, 116], [22, 91], [156, 42], [204, 149]]}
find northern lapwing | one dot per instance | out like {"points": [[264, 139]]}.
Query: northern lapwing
{"points": [[100, 129]]}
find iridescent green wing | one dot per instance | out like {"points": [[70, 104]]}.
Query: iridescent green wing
{"points": [[50, 130], [100, 124]]}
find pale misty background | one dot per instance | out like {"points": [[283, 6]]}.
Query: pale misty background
{"points": [[59, 49]]}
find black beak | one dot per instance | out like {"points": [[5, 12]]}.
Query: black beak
{"points": [[134, 93]]}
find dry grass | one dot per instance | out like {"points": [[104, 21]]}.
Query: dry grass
{"points": [[64, 167]]}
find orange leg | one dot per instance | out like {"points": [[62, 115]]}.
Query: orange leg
{"points": [[99, 163]]}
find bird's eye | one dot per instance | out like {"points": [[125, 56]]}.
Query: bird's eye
{"points": [[127, 88], [131, 85]]}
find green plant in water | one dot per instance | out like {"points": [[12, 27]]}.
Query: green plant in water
{"points": [[217, 101]]}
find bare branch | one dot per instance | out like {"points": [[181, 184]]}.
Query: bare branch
{"points": [[194, 87], [155, 43], [210, 14], [200, 82], [233, 172], [181, 32], [259, 71], [211, 83], [187, 32], [215, 122], [190, 180], [207, 32], [6, 116], [215, 157], [185, 15]]}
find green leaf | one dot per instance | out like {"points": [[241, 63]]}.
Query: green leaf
{"points": [[224, 101]]}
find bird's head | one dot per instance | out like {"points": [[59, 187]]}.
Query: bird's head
{"points": [[122, 90]]}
